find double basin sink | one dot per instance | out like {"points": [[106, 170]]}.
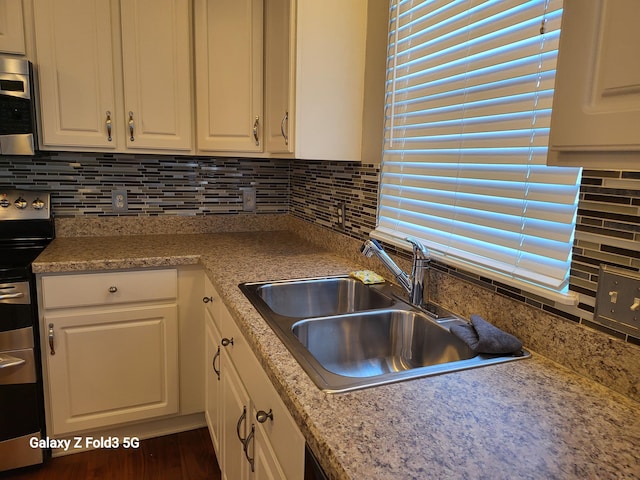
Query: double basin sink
{"points": [[347, 335]]}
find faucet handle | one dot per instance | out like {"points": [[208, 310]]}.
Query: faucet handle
{"points": [[419, 250], [368, 246]]}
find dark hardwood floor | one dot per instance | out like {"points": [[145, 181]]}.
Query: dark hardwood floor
{"points": [[187, 455]]}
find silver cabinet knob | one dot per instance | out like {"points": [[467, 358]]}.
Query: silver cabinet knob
{"points": [[262, 416]]}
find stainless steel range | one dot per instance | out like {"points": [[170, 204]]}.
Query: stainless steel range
{"points": [[26, 228]]}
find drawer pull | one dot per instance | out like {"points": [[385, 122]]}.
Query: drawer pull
{"points": [[53, 350], [262, 416], [207, 299], [227, 341], [113, 289]]}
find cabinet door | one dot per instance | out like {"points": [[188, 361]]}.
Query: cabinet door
{"points": [[11, 27], [235, 415], [266, 466], [75, 69], [213, 384], [597, 92], [228, 52], [156, 57], [112, 366], [279, 67], [340, 75]]}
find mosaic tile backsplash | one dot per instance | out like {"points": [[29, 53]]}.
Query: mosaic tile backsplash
{"points": [[156, 185], [608, 223]]}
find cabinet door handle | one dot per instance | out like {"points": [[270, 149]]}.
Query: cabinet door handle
{"points": [[245, 446], [227, 341], [108, 123], [256, 124], [239, 424], [213, 363], [207, 299], [53, 350], [131, 137], [284, 133]]}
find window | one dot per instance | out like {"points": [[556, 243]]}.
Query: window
{"points": [[468, 108]]}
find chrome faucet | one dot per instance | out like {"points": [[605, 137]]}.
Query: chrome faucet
{"points": [[414, 284]]}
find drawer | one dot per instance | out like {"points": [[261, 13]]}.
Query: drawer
{"points": [[109, 288]]}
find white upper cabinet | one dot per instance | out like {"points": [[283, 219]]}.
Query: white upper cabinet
{"points": [[114, 79], [75, 66], [596, 106], [339, 79], [229, 75], [281, 78], [318, 93], [279, 75], [11, 27], [157, 73]]}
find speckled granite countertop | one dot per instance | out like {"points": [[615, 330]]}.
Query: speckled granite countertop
{"points": [[531, 419]]}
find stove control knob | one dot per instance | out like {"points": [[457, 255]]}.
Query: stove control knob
{"points": [[4, 203], [20, 203], [37, 204]]}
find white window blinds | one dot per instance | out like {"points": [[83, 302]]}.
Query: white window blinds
{"points": [[469, 93]]}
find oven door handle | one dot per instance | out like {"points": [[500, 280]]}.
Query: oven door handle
{"points": [[8, 296], [7, 361]]}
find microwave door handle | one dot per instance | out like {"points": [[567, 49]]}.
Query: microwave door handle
{"points": [[7, 361], [9, 296]]}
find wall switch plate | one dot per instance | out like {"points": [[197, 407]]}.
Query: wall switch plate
{"points": [[248, 199], [618, 299], [119, 201]]}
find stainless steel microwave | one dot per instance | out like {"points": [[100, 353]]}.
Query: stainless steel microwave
{"points": [[17, 110]]}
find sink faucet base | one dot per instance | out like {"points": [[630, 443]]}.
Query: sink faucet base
{"points": [[414, 284]]}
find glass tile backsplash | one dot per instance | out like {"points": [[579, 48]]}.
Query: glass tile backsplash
{"points": [[608, 223]]}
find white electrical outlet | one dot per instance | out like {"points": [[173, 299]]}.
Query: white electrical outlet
{"points": [[119, 201], [248, 199], [341, 214]]}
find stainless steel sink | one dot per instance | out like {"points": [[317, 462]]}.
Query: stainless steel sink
{"points": [[320, 297], [347, 335], [379, 342]]}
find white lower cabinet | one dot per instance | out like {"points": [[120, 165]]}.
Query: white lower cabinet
{"points": [[110, 348], [257, 437], [213, 383], [266, 465], [235, 407]]}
